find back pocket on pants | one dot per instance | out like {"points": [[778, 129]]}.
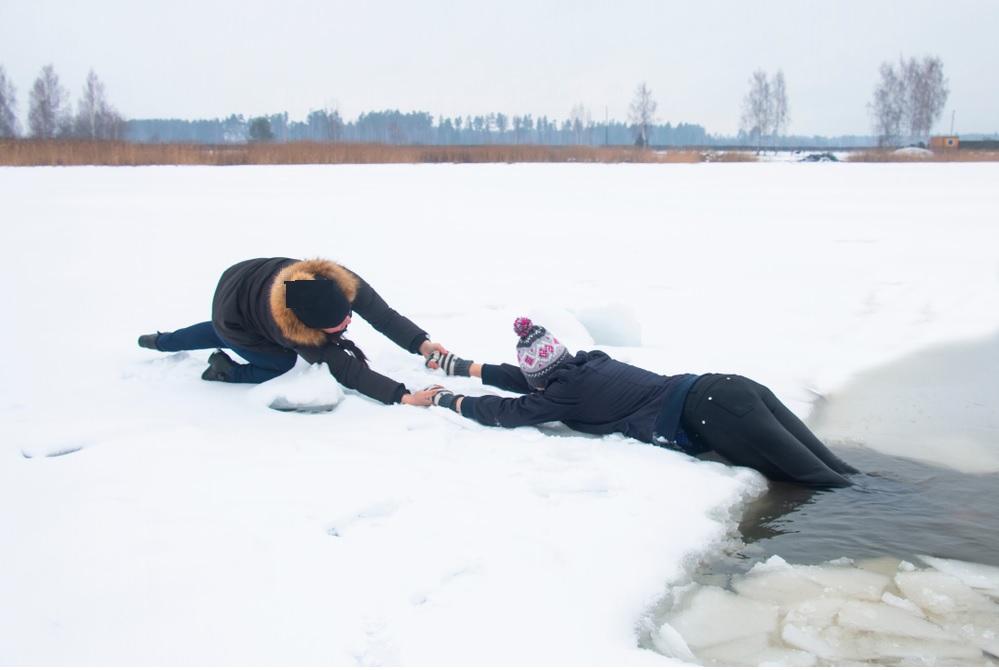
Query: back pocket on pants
{"points": [[733, 395]]}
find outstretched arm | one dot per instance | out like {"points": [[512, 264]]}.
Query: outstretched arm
{"points": [[372, 308], [452, 365], [423, 398], [526, 410], [503, 376]]}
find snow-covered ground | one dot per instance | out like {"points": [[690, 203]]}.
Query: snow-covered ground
{"points": [[151, 518]]}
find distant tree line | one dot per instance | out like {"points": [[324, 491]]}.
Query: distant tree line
{"points": [[908, 100], [395, 127]]}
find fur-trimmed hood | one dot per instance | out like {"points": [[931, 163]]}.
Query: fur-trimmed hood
{"points": [[290, 325]]}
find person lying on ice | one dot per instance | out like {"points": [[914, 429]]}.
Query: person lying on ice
{"points": [[734, 416]]}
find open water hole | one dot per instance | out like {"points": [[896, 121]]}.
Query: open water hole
{"points": [[899, 508], [899, 512]]}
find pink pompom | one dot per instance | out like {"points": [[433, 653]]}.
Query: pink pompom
{"points": [[522, 326]]}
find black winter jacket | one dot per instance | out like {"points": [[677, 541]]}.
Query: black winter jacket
{"points": [[590, 392], [249, 311]]}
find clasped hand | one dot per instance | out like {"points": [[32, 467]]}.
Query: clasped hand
{"points": [[449, 364], [443, 397]]}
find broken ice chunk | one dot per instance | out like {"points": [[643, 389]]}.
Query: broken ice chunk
{"points": [[755, 650], [889, 598], [942, 594], [978, 628], [849, 582], [887, 620], [818, 612], [912, 651], [830, 643], [785, 587], [714, 616], [982, 577], [671, 643]]}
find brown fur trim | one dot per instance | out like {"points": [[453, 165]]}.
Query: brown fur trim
{"points": [[290, 325]]}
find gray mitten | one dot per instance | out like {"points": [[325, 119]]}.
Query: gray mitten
{"points": [[444, 398], [450, 364]]}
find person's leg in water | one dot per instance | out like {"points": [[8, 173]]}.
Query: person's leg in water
{"points": [[800, 431], [259, 367], [727, 414]]}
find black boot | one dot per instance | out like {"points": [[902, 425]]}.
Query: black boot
{"points": [[150, 341], [220, 367]]}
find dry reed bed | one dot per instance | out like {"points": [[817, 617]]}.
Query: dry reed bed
{"points": [[28, 152], [949, 156], [67, 152]]}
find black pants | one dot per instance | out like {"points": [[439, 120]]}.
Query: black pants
{"points": [[259, 368], [745, 423]]}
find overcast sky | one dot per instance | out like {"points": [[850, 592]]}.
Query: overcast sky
{"points": [[195, 59]]}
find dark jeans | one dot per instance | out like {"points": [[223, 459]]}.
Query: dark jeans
{"points": [[259, 367], [745, 423]]}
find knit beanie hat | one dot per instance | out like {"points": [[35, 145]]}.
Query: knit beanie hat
{"points": [[318, 303], [538, 353]]}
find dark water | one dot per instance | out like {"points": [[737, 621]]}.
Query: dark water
{"points": [[899, 509]]}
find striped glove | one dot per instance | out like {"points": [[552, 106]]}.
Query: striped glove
{"points": [[444, 398], [450, 364]]}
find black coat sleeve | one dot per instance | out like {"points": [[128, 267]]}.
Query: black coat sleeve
{"points": [[354, 374], [373, 309], [526, 410], [505, 376]]}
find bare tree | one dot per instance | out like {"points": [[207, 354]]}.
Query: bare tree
{"points": [[90, 107], [926, 93], [579, 120], [335, 122], [490, 124], [518, 125], [8, 107], [888, 106], [48, 115], [765, 112], [757, 108], [642, 113], [908, 99], [96, 119], [780, 109], [279, 126], [479, 123]]}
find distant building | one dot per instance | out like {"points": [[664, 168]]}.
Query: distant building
{"points": [[943, 143], [980, 145]]}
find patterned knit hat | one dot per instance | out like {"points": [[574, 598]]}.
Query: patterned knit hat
{"points": [[538, 353]]}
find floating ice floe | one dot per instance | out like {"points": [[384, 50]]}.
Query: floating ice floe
{"points": [[839, 612]]}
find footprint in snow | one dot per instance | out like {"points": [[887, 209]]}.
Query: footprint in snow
{"points": [[373, 515]]}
